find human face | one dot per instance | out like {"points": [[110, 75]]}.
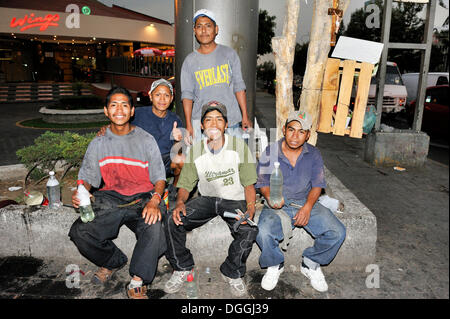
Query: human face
{"points": [[214, 125], [119, 109], [295, 136], [205, 30], [161, 98]]}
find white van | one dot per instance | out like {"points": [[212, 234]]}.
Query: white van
{"points": [[394, 99], [411, 81]]}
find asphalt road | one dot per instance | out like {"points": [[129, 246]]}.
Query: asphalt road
{"points": [[14, 137]]}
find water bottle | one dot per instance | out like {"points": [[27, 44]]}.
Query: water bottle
{"points": [[85, 208], [276, 185], [53, 191], [191, 287]]}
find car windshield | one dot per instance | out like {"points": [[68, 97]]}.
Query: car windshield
{"points": [[392, 76]]}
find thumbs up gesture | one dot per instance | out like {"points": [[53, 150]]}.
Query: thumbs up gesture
{"points": [[176, 132]]}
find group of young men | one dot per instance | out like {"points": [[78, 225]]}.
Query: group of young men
{"points": [[132, 157]]}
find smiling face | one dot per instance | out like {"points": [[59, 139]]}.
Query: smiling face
{"points": [[295, 135], [161, 98], [205, 30], [119, 110], [214, 125]]}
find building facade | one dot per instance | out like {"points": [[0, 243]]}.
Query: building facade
{"points": [[69, 40]]}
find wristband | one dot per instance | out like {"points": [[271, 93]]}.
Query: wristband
{"points": [[252, 203], [157, 194]]}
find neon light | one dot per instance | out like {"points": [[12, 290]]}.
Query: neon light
{"points": [[31, 21], [86, 10]]}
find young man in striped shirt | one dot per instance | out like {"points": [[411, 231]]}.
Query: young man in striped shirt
{"points": [[128, 161]]}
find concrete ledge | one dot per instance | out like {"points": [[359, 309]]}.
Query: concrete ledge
{"points": [[72, 116], [42, 233], [400, 147], [358, 249]]}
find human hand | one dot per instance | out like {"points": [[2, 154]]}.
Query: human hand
{"points": [[176, 132], [302, 216], [251, 209], [176, 213], [246, 123], [275, 206], [151, 212], [188, 139], [102, 131], [75, 200]]}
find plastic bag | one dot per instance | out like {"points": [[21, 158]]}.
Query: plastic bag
{"points": [[370, 118]]}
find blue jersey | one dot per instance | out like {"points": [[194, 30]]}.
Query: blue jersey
{"points": [[159, 128]]}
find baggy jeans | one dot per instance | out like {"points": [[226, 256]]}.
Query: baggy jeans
{"points": [[199, 211], [94, 239], [328, 233]]}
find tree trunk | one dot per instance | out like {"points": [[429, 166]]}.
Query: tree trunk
{"points": [[318, 49], [284, 50]]}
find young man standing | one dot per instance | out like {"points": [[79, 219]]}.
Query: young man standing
{"points": [[212, 72], [303, 179], [225, 172], [128, 161]]}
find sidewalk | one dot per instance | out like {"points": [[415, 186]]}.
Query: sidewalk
{"points": [[412, 260]]}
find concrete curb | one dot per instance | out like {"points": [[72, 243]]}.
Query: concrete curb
{"points": [[42, 233], [72, 116]]}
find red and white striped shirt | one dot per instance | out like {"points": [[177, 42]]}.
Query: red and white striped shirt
{"points": [[128, 164]]}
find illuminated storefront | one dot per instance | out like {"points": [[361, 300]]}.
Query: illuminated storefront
{"points": [[66, 41]]}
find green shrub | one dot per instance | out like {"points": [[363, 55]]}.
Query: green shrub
{"points": [[81, 102], [49, 148]]}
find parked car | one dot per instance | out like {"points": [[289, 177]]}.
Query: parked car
{"points": [[435, 120], [411, 81], [394, 99]]}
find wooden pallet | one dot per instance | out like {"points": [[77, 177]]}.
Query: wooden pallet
{"points": [[337, 86]]}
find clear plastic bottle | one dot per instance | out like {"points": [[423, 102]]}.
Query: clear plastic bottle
{"points": [[53, 191], [191, 287], [85, 208], [276, 185]]}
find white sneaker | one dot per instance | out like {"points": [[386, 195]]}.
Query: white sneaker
{"points": [[270, 279], [176, 281], [237, 286], [317, 278]]}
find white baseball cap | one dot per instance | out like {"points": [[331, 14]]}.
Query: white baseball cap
{"points": [[159, 82], [204, 13]]}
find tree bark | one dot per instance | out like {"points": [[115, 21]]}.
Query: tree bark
{"points": [[318, 49], [284, 50]]}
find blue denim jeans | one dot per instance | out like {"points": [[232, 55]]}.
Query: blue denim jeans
{"points": [[326, 229]]}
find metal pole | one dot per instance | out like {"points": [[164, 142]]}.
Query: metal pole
{"points": [[381, 79], [184, 44], [424, 66]]}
